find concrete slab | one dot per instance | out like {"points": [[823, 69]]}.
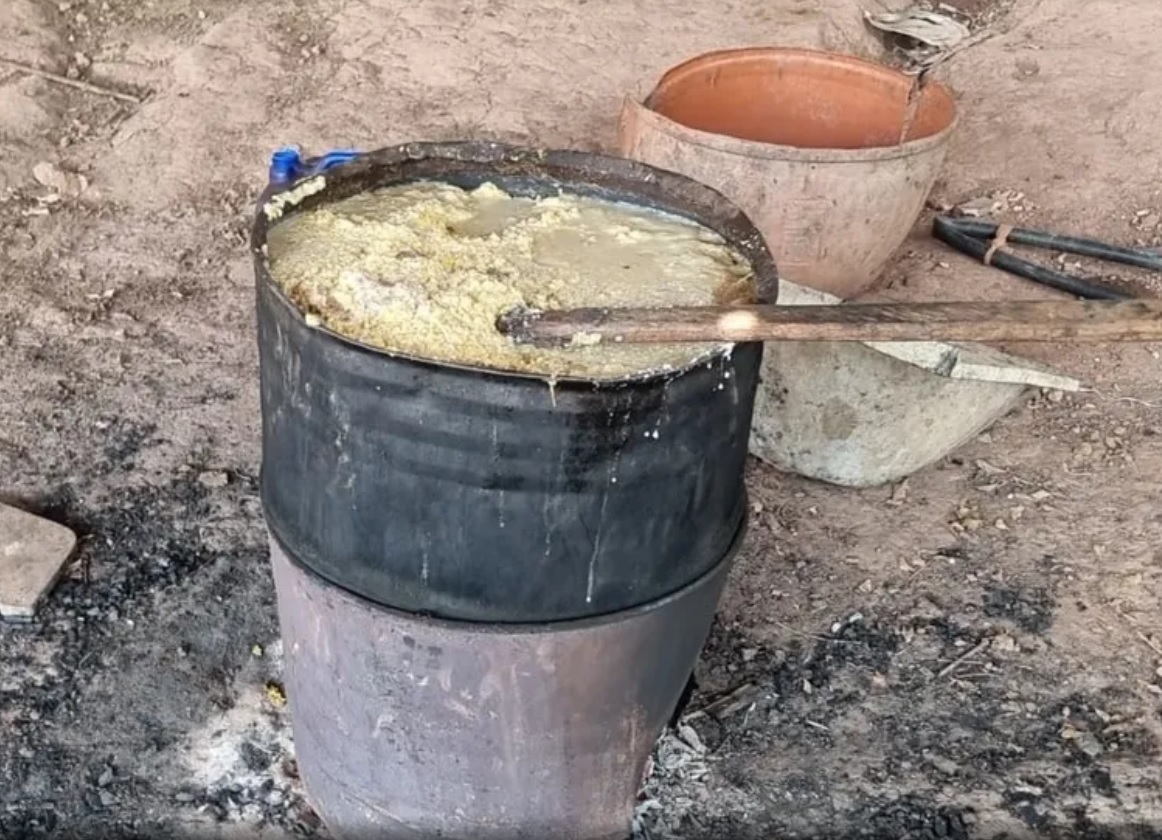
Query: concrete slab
{"points": [[33, 552]]}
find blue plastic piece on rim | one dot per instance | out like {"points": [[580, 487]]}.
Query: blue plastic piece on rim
{"points": [[334, 158], [287, 164]]}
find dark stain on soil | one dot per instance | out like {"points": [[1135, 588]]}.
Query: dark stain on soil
{"points": [[876, 686], [136, 556], [977, 10], [1029, 609]]}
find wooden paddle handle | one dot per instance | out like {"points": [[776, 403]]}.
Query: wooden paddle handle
{"points": [[1071, 320]]}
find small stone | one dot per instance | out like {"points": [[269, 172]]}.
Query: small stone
{"points": [[1056, 396], [1001, 525], [982, 206], [45, 173], [989, 469], [108, 800], [945, 765], [106, 777], [899, 493], [33, 552], [749, 654], [691, 739], [1027, 68], [68, 184], [1088, 743], [973, 524], [1004, 644], [213, 479]]}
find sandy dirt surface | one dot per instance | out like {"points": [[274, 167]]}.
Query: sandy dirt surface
{"points": [[974, 654]]}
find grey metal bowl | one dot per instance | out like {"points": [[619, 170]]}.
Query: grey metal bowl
{"points": [[868, 414]]}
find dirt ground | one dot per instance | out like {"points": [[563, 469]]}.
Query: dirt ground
{"points": [[974, 655]]}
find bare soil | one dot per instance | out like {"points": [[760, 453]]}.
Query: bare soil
{"points": [[973, 655]]}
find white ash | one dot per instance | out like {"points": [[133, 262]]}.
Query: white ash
{"points": [[683, 783]]}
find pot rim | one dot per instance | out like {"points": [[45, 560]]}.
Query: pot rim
{"points": [[758, 149], [524, 628], [738, 231]]}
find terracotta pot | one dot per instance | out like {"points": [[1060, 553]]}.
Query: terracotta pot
{"points": [[822, 151]]}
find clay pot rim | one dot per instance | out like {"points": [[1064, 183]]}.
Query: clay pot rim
{"points": [[762, 150]]}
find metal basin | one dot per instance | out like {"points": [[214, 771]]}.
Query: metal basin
{"points": [[484, 495], [862, 414]]}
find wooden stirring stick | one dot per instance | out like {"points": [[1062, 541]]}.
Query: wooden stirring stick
{"points": [[1070, 320]]}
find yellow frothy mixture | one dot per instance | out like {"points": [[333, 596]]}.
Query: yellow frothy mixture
{"points": [[425, 269]]}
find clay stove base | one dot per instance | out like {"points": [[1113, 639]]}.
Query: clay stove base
{"points": [[415, 728]]}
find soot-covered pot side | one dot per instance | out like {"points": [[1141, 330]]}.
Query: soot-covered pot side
{"points": [[490, 496]]}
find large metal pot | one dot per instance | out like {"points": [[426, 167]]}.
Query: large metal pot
{"points": [[482, 495]]}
